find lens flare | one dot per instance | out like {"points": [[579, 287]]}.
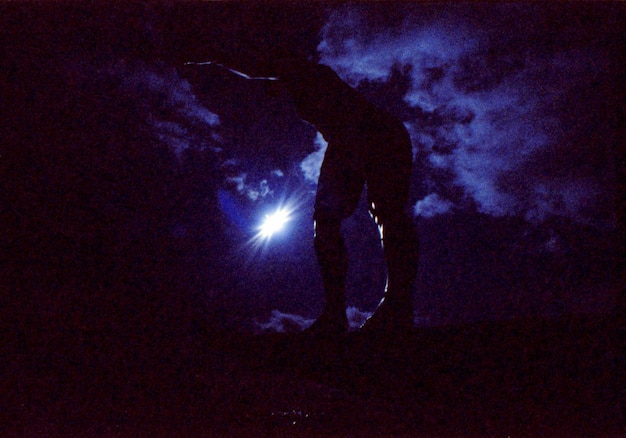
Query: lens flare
{"points": [[274, 222]]}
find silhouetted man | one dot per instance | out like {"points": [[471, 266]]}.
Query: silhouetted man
{"points": [[365, 145]]}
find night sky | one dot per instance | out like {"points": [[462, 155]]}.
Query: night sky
{"points": [[133, 185]]}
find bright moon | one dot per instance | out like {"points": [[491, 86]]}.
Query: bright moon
{"points": [[274, 222]]}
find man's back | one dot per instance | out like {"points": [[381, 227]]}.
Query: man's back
{"points": [[321, 98]]}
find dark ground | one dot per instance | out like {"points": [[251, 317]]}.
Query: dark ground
{"points": [[522, 378]]}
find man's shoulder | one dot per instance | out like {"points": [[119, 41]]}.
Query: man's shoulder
{"points": [[326, 70]]}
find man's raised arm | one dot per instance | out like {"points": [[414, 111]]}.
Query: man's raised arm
{"points": [[232, 70]]}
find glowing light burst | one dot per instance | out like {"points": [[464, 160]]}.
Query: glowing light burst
{"points": [[274, 222]]}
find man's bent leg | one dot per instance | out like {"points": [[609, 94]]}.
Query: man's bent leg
{"points": [[333, 261], [388, 183], [339, 188], [400, 245]]}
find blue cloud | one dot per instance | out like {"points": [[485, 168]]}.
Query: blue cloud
{"points": [[488, 104], [432, 205], [281, 322], [312, 163]]}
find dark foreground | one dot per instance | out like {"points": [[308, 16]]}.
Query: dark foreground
{"points": [[531, 378]]}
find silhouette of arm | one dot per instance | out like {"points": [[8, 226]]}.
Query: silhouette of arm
{"points": [[232, 70]]}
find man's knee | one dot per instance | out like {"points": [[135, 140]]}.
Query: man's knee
{"points": [[327, 232], [398, 229], [330, 248], [388, 213]]}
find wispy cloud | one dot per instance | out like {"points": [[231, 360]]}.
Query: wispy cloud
{"points": [[312, 163], [281, 322], [181, 121], [253, 191], [172, 109], [489, 106], [432, 205]]}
